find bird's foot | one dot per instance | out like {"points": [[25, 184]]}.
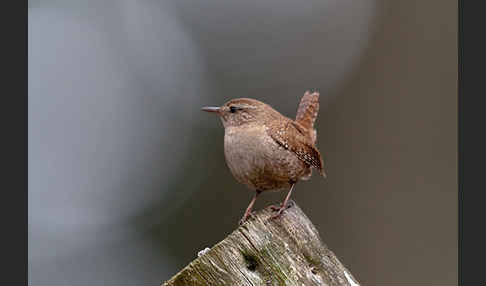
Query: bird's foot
{"points": [[280, 209], [242, 221], [246, 217], [274, 208], [278, 214]]}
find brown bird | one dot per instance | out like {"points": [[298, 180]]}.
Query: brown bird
{"points": [[265, 150]]}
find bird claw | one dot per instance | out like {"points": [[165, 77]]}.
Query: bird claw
{"points": [[245, 218], [278, 214], [280, 209], [275, 208]]}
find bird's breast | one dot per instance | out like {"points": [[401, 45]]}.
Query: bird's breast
{"points": [[257, 161], [245, 150]]}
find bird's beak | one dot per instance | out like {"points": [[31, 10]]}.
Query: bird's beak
{"points": [[211, 109]]}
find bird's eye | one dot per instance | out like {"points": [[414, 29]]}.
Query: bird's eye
{"points": [[233, 109]]}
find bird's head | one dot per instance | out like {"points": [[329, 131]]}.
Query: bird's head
{"points": [[240, 111]]}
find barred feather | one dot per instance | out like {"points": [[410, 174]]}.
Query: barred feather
{"points": [[307, 112]]}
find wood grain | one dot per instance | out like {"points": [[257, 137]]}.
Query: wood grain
{"points": [[265, 251]]}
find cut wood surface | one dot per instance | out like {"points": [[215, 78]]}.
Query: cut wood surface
{"points": [[265, 251]]}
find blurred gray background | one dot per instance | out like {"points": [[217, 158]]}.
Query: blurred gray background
{"points": [[127, 179]]}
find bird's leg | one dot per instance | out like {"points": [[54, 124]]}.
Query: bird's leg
{"points": [[287, 203], [284, 204], [250, 206]]}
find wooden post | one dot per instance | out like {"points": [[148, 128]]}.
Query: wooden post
{"points": [[265, 251]]}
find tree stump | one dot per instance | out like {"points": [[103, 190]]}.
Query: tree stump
{"points": [[265, 251]]}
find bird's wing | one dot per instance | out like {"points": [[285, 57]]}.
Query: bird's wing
{"points": [[307, 112], [292, 136]]}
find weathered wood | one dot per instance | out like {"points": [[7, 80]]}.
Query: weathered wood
{"points": [[266, 251]]}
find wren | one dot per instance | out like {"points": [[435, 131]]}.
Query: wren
{"points": [[267, 151]]}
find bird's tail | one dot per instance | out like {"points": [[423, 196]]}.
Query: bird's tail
{"points": [[307, 112]]}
